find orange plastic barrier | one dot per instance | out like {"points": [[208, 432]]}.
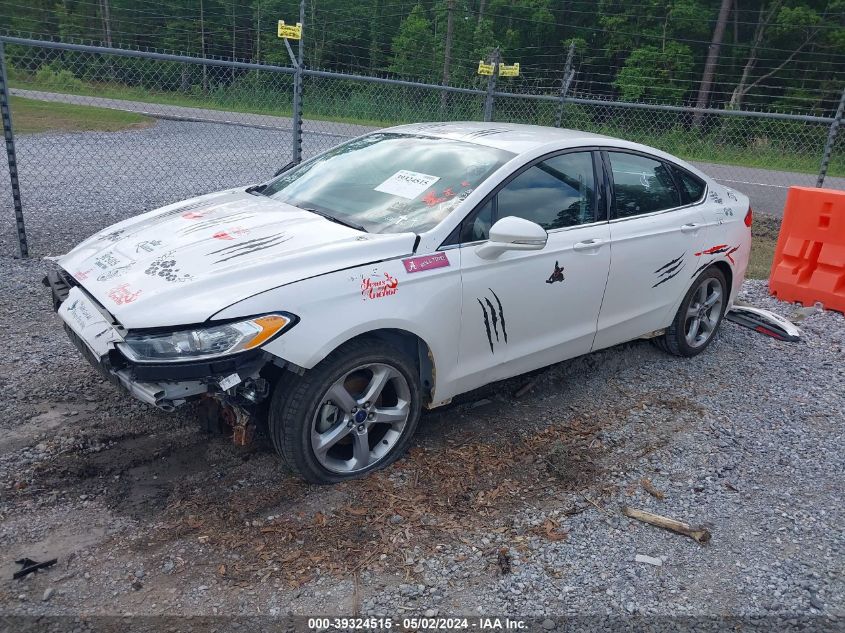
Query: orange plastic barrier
{"points": [[809, 263]]}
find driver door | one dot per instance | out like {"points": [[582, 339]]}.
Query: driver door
{"points": [[528, 309]]}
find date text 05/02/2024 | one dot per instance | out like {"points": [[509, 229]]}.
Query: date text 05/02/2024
{"points": [[418, 624]]}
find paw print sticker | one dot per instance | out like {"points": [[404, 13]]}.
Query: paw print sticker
{"points": [[166, 268]]}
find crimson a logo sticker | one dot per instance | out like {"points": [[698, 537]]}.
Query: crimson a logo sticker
{"points": [[425, 262]]}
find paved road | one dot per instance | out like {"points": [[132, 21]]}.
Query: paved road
{"points": [[766, 188]]}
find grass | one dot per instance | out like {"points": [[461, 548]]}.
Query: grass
{"points": [[30, 116], [764, 232]]}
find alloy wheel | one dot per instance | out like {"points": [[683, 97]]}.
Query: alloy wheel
{"points": [[704, 312], [361, 418]]}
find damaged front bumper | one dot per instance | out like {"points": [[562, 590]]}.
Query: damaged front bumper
{"points": [[94, 332]]}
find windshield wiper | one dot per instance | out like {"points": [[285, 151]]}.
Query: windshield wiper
{"points": [[332, 218], [257, 190]]}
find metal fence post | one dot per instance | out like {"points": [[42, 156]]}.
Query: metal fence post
{"points": [[831, 139], [491, 86], [568, 74], [297, 93], [10, 153]]}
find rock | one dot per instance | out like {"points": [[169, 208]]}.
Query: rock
{"points": [[48, 593], [651, 560], [430, 613], [548, 624], [396, 519]]}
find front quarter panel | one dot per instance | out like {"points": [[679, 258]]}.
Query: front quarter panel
{"points": [[339, 306]]}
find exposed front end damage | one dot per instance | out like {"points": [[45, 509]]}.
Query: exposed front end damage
{"points": [[234, 384]]}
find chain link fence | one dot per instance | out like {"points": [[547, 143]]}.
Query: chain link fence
{"points": [[104, 134]]}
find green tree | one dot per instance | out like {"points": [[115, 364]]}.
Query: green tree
{"points": [[652, 74], [413, 47]]}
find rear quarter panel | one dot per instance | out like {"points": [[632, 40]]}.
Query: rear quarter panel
{"points": [[728, 238]]}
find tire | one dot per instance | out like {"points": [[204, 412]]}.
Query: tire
{"points": [[677, 339], [321, 422]]}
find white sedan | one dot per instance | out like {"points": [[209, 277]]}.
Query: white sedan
{"points": [[399, 270]]}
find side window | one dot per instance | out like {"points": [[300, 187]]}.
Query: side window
{"points": [[641, 185], [476, 226], [692, 188], [555, 193]]}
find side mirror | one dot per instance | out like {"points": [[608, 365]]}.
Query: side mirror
{"points": [[512, 234]]}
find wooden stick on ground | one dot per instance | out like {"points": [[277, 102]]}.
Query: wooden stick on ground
{"points": [[698, 533]]}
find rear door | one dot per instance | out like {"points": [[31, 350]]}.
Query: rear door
{"points": [[528, 309], [656, 234]]}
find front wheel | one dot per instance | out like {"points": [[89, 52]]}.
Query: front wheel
{"points": [[353, 413], [698, 317]]}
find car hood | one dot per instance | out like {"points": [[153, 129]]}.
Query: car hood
{"points": [[183, 263]]}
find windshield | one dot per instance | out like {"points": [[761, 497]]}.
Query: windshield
{"points": [[389, 183]]}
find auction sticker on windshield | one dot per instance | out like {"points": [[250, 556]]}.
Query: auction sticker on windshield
{"points": [[407, 184]]}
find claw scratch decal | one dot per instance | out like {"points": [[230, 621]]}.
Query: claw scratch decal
{"points": [[668, 264], [250, 246], [501, 314], [713, 250], [557, 274], [494, 314], [486, 324], [669, 270], [207, 224], [702, 267], [716, 250]]}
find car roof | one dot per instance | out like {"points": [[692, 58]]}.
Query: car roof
{"points": [[519, 138], [513, 137]]}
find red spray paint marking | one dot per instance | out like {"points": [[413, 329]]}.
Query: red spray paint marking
{"points": [[712, 250]]}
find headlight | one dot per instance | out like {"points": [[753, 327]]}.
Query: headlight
{"points": [[202, 343]]}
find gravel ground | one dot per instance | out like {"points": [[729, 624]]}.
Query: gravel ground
{"points": [[504, 505]]}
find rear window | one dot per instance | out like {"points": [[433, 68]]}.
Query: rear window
{"points": [[640, 185], [692, 188], [388, 182]]}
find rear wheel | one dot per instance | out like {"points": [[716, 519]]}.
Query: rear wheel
{"points": [[698, 317], [353, 413]]}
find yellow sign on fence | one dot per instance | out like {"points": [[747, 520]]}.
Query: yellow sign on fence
{"points": [[484, 68], [505, 70], [289, 31]]}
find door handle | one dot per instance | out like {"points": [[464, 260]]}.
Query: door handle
{"points": [[588, 245], [692, 227]]}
